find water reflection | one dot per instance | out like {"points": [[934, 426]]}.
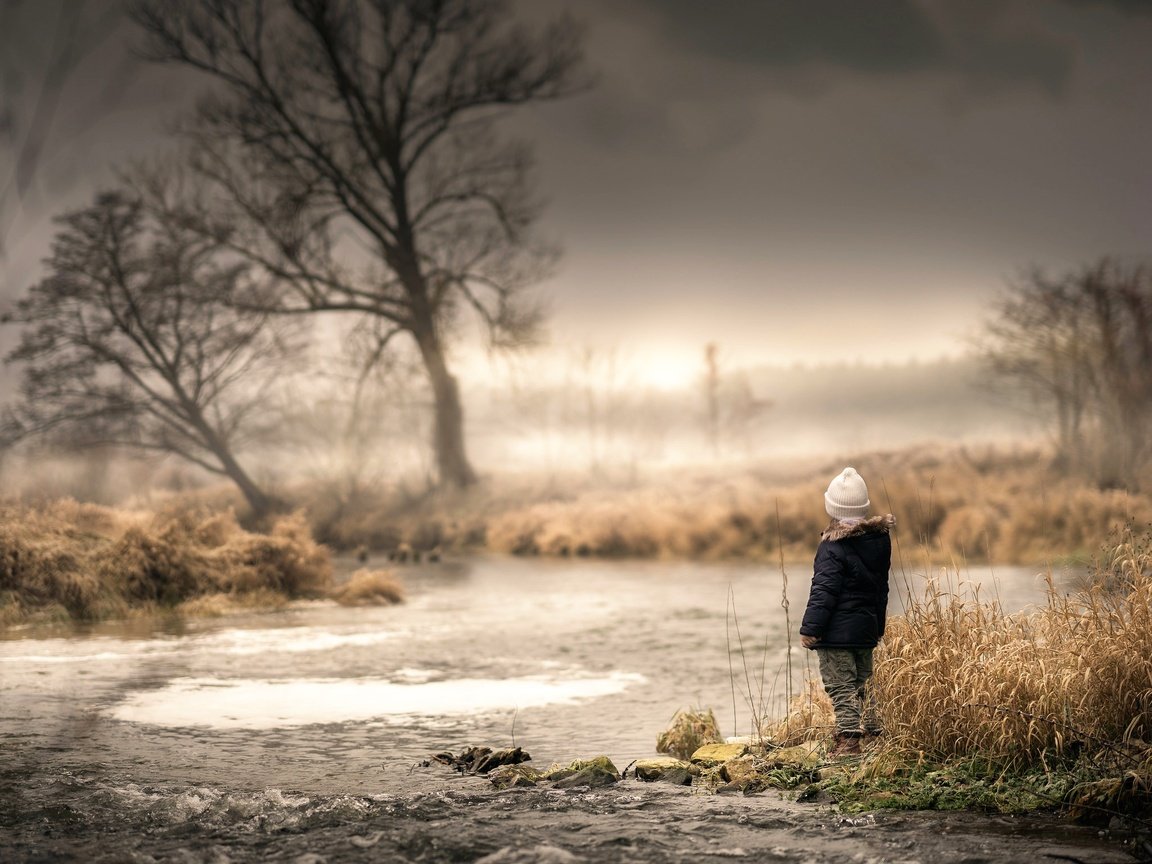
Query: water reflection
{"points": [[252, 704]]}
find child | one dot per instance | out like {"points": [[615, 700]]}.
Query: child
{"points": [[847, 606]]}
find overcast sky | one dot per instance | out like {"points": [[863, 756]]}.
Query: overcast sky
{"points": [[793, 179]]}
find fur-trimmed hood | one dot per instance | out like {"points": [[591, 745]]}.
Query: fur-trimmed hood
{"points": [[837, 530]]}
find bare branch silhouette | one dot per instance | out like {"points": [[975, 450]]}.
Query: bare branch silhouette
{"points": [[127, 342], [1081, 345], [355, 146]]}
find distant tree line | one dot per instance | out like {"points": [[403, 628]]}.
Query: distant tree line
{"points": [[1080, 345]]}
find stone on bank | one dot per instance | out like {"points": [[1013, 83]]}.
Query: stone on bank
{"points": [[665, 769], [717, 754]]}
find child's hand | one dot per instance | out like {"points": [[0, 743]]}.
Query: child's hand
{"points": [[809, 641]]}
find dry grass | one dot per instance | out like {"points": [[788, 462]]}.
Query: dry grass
{"points": [[1058, 697], [689, 730], [1005, 507], [369, 588], [809, 718], [76, 561], [986, 504], [959, 678]]}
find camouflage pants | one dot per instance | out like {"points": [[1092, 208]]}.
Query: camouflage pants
{"points": [[845, 672]]}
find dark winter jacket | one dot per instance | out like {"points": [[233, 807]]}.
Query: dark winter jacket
{"points": [[849, 599]]}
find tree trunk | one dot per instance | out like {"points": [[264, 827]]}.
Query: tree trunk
{"points": [[452, 463], [260, 502]]}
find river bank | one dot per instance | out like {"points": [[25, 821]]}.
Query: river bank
{"points": [[953, 505], [68, 562]]}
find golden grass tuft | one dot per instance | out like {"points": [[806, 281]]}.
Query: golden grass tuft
{"points": [[95, 562], [369, 588], [809, 718], [688, 732]]}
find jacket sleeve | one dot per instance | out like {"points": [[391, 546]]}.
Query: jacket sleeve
{"points": [[827, 585]]}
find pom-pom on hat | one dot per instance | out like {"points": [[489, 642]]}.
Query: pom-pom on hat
{"points": [[847, 496]]}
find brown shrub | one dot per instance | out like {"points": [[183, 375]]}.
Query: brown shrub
{"points": [[369, 588], [123, 559], [287, 561], [160, 566]]}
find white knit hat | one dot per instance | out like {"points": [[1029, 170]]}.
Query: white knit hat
{"points": [[847, 496]]}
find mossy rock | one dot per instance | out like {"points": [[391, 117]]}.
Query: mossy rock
{"points": [[715, 754], [741, 771], [596, 772], [513, 776], [664, 769]]}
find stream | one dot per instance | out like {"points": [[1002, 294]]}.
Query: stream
{"points": [[302, 735]]}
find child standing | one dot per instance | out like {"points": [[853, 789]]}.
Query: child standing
{"points": [[847, 606]]}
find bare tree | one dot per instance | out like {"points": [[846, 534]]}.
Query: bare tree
{"points": [[1035, 339], [732, 406], [356, 141], [1119, 303], [1081, 345], [125, 342]]}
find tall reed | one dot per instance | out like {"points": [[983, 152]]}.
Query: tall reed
{"points": [[959, 678]]}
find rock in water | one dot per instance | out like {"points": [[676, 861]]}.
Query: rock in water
{"points": [[512, 776], [741, 771], [596, 772], [501, 757], [664, 769], [481, 760]]}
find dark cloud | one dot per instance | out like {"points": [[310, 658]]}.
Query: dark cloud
{"points": [[878, 37], [881, 36], [783, 153], [1132, 7]]}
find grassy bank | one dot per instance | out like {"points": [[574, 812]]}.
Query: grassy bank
{"points": [[982, 709], [1004, 506], [68, 561]]}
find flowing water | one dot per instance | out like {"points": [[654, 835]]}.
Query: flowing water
{"points": [[303, 734]]}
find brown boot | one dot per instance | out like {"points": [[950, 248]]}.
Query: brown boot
{"points": [[844, 745]]}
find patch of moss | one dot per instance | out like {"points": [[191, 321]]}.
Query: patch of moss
{"points": [[959, 786]]}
